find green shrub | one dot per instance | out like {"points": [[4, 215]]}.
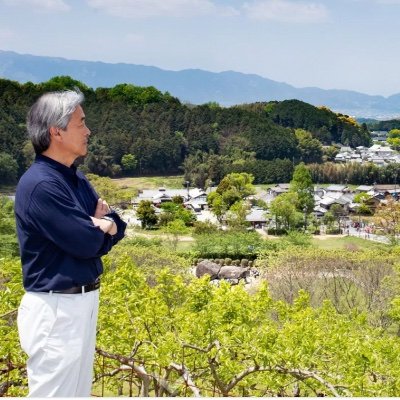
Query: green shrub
{"points": [[244, 262]]}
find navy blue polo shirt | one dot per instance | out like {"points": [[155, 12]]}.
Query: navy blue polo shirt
{"points": [[59, 245]]}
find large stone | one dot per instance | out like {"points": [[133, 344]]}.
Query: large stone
{"points": [[207, 267], [232, 272]]}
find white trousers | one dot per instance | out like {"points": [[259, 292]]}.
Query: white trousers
{"points": [[58, 332]]}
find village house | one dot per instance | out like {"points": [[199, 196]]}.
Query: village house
{"points": [[379, 136], [278, 189], [377, 154], [324, 197], [194, 199], [387, 190], [334, 190], [364, 189], [343, 200], [257, 217]]}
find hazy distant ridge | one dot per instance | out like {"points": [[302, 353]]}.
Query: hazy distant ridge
{"points": [[195, 85]]}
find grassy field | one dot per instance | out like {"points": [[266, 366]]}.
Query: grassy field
{"points": [[332, 242], [350, 243], [151, 182]]}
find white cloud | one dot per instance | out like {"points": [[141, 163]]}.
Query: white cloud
{"points": [[286, 11], [155, 8], [40, 5]]}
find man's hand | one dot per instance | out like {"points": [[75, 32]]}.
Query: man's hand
{"points": [[102, 209], [105, 225]]}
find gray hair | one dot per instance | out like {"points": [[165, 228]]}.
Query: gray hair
{"points": [[51, 109]]}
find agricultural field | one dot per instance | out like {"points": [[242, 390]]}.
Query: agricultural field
{"points": [[150, 182]]}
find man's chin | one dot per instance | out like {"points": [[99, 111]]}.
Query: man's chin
{"points": [[80, 160]]}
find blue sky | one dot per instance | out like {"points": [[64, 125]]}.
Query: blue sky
{"points": [[331, 44]]}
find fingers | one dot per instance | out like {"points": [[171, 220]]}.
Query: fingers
{"points": [[102, 203], [102, 206]]}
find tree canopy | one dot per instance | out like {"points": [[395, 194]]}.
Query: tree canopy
{"points": [[140, 130]]}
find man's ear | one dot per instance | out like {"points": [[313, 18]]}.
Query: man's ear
{"points": [[54, 133]]}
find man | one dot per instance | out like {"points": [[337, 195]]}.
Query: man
{"points": [[63, 229]]}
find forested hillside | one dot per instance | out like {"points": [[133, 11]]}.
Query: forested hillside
{"points": [[384, 125], [139, 131]]}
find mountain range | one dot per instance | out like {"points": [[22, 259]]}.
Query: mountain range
{"points": [[194, 85]]}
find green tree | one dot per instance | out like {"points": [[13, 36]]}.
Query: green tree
{"points": [[232, 189], [216, 202], [28, 153], [175, 229], [146, 213], [387, 217], [329, 153], [338, 212], [329, 219], [175, 211], [177, 200], [239, 183], [284, 211], [310, 149], [128, 162], [321, 122], [394, 138], [99, 161], [201, 168], [8, 234], [8, 169], [362, 200], [236, 218], [204, 227], [62, 82], [302, 185], [135, 95]]}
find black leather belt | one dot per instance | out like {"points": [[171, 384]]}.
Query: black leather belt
{"points": [[79, 289]]}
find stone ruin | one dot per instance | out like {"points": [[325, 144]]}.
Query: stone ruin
{"points": [[230, 273]]}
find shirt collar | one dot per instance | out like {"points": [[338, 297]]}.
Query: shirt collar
{"points": [[68, 172]]}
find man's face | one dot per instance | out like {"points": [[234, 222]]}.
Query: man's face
{"points": [[76, 135]]}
